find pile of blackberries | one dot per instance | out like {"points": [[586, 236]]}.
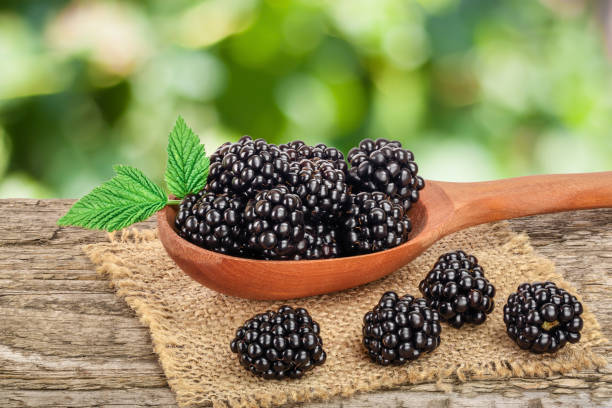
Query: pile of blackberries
{"points": [[294, 201], [540, 317]]}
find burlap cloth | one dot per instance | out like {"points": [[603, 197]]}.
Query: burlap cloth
{"points": [[191, 326]]}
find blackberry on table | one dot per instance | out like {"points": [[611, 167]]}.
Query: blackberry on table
{"points": [[372, 223], [399, 330], [384, 166], [246, 167], [542, 318], [279, 345], [321, 187], [213, 221], [275, 224], [298, 150], [457, 288]]}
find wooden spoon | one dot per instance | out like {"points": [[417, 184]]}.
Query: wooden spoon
{"points": [[443, 208]]}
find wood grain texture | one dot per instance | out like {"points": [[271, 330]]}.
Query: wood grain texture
{"points": [[67, 340], [486, 201]]}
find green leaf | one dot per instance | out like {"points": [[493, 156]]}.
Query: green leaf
{"points": [[127, 198], [187, 168]]}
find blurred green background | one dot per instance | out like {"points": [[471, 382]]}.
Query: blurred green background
{"points": [[478, 89]]}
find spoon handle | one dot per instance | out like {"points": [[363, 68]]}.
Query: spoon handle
{"points": [[477, 203]]}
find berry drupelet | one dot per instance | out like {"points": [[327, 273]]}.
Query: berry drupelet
{"points": [[542, 318], [213, 221], [275, 224], [457, 288], [279, 345], [246, 167], [298, 150], [385, 166], [372, 223], [321, 187], [398, 329]]}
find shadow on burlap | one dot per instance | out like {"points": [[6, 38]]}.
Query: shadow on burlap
{"points": [[191, 326]]}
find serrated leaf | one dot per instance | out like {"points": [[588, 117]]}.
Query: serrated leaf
{"points": [[126, 199], [187, 168]]}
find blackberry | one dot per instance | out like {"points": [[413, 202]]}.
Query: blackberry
{"points": [[542, 318], [384, 166], [457, 288], [373, 223], [278, 345], [213, 222], [275, 224], [298, 150], [322, 242], [398, 329], [321, 187], [246, 167]]}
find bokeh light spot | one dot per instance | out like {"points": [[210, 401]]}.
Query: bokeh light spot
{"points": [[406, 46], [307, 101]]}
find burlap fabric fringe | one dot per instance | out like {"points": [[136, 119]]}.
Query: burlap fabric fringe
{"points": [[191, 326]]}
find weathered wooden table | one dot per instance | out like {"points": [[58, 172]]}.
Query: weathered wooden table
{"points": [[67, 340]]}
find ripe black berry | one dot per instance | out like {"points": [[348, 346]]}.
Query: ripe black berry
{"points": [[278, 345], [322, 242], [542, 318], [297, 150], [321, 187], [398, 329], [275, 224], [457, 288], [384, 166], [213, 222], [373, 223], [246, 167]]}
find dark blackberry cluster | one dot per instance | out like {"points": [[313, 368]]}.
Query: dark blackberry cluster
{"points": [[321, 187], [320, 213], [298, 150], [398, 329], [213, 221], [373, 223], [542, 318], [385, 166], [275, 224], [246, 167], [279, 345], [457, 288]]}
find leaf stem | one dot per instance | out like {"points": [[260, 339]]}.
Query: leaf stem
{"points": [[174, 202]]}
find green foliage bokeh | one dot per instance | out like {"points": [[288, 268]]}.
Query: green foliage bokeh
{"points": [[478, 89]]}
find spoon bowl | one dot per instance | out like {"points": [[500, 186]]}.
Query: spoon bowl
{"points": [[443, 208]]}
